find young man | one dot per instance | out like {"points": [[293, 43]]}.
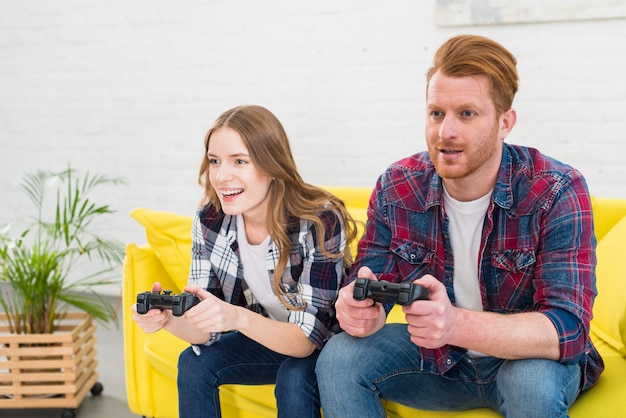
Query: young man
{"points": [[500, 235]]}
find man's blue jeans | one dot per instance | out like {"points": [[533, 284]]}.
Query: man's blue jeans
{"points": [[235, 358], [354, 374]]}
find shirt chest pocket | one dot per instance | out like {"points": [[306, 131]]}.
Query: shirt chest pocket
{"points": [[513, 270], [414, 259]]}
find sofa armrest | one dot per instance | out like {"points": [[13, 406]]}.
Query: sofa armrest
{"points": [[141, 269]]}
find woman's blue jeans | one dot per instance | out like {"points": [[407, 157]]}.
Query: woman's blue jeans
{"points": [[354, 374], [236, 359]]}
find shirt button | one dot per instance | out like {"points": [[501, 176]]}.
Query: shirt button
{"points": [[448, 362]]}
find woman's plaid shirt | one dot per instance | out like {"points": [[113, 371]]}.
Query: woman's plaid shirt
{"points": [[311, 279]]}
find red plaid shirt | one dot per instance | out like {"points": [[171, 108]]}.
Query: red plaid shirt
{"points": [[537, 248]]}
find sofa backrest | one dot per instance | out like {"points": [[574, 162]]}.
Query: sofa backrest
{"points": [[609, 311], [169, 235], [607, 212]]}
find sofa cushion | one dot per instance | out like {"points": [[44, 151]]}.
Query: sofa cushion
{"points": [[169, 235], [609, 312]]}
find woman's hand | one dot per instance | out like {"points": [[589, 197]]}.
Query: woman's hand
{"points": [[212, 314], [154, 319]]}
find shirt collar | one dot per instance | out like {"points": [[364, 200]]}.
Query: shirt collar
{"points": [[503, 190], [502, 193]]}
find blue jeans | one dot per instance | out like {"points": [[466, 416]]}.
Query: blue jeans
{"points": [[354, 374], [236, 359]]}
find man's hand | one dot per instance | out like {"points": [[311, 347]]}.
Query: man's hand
{"points": [[359, 318], [431, 322]]}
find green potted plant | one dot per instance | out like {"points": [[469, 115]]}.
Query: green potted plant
{"points": [[51, 266], [41, 264]]}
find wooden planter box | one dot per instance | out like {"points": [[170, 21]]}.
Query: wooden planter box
{"points": [[48, 370]]}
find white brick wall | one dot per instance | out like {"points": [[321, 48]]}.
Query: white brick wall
{"points": [[130, 87]]}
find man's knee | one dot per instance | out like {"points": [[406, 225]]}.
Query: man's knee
{"points": [[541, 385], [335, 355]]}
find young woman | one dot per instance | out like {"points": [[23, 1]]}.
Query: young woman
{"points": [[268, 256]]}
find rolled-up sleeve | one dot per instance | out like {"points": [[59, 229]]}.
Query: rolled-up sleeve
{"points": [[320, 276], [565, 278]]}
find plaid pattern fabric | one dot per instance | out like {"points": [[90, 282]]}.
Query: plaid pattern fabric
{"points": [[311, 279], [537, 249]]}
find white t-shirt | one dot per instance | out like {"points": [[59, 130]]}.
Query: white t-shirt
{"points": [[256, 275], [465, 228]]}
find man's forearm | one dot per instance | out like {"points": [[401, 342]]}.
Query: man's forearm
{"points": [[507, 336]]}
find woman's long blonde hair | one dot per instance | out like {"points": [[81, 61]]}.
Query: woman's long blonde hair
{"points": [[289, 196]]}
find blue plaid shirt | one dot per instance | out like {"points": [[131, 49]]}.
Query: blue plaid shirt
{"points": [[311, 279], [537, 250]]}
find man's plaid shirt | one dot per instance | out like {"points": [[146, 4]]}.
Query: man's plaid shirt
{"points": [[537, 249]]}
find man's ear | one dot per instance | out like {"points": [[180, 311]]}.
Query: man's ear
{"points": [[507, 122]]}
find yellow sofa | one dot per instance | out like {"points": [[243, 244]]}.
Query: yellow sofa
{"points": [[151, 358]]}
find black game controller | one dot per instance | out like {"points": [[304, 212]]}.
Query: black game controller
{"points": [[386, 292], [179, 304]]}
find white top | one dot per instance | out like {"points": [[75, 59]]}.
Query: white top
{"points": [[465, 227], [256, 273]]}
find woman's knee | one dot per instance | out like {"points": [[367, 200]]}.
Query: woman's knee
{"points": [[296, 379], [193, 367], [298, 371], [187, 360], [296, 388]]}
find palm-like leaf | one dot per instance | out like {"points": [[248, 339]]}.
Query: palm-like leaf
{"points": [[42, 264]]}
